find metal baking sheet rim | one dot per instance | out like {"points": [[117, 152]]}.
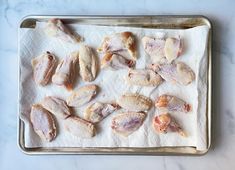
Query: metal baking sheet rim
{"points": [[29, 21]]}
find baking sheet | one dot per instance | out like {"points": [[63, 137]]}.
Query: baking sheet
{"points": [[135, 89]]}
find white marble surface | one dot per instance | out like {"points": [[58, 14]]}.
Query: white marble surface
{"points": [[222, 153]]}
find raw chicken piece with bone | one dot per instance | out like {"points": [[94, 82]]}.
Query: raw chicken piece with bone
{"points": [[43, 67], [56, 106], [164, 123], [43, 123], [143, 77], [56, 28], [173, 48], [175, 72], [134, 102], [126, 123], [160, 48], [65, 71], [154, 47], [82, 96], [97, 111], [79, 127], [168, 103], [88, 63], [120, 43], [116, 62]]}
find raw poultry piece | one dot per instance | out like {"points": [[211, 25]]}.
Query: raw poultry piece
{"points": [[56, 106], [134, 102], [88, 63], [116, 61], [143, 77], [82, 95], [173, 48], [65, 71], [176, 72], [79, 127], [123, 43], [56, 28], [98, 111], [43, 67], [164, 123], [159, 48], [154, 47], [168, 103], [43, 123], [127, 123]]}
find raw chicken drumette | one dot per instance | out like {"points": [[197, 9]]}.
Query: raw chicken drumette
{"points": [[164, 123]]}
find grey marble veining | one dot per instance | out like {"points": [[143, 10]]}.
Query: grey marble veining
{"points": [[222, 152]]}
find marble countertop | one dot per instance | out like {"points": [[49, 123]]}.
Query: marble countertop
{"points": [[222, 15]]}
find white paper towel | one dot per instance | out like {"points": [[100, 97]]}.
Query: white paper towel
{"points": [[34, 41]]}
